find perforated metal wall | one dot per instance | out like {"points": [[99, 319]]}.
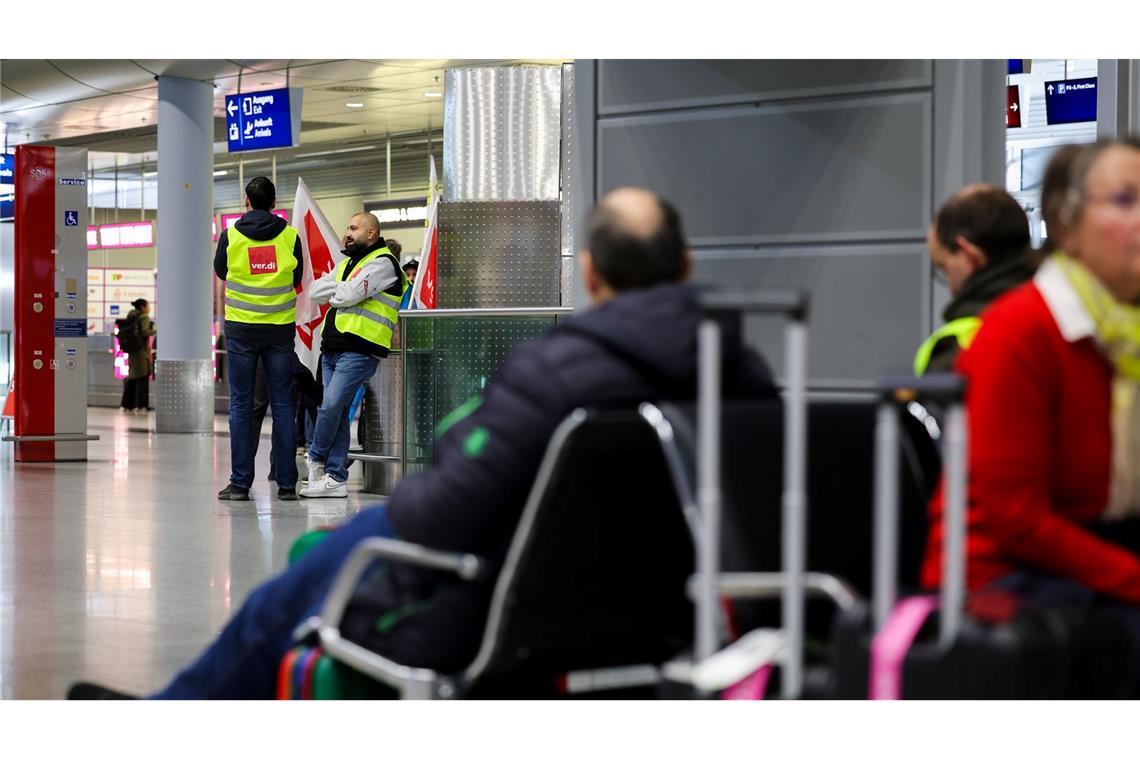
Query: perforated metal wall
{"points": [[497, 254], [383, 423], [185, 396]]}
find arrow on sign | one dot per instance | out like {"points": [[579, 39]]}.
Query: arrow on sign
{"points": [[231, 108], [1050, 89], [1013, 107], [248, 128]]}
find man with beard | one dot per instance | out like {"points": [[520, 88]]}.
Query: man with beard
{"points": [[364, 293]]}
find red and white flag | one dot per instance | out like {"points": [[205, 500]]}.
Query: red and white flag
{"points": [[320, 249], [424, 291]]}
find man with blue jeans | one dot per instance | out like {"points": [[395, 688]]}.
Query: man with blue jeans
{"points": [[364, 292], [259, 259]]}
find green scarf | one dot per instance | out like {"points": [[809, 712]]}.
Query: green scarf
{"points": [[1118, 333]]}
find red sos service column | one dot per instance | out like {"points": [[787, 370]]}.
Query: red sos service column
{"points": [[51, 304]]}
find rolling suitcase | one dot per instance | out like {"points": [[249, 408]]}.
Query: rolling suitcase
{"points": [[742, 670], [988, 645]]}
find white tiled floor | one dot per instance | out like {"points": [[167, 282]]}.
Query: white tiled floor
{"points": [[120, 569]]}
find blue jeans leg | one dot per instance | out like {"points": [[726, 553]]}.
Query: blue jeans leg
{"points": [[278, 362], [343, 374], [241, 359], [242, 663]]}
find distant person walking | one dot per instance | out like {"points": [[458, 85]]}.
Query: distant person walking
{"points": [[135, 333]]}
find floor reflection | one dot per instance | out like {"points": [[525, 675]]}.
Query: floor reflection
{"points": [[122, 568]]}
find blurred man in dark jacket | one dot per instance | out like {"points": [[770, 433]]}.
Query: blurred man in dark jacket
{"points": [[637, 344]]}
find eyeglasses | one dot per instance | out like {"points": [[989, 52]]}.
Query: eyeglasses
{"points": [[1122, 200]]}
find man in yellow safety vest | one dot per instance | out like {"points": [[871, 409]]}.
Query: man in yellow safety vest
{"points": [[364, 293], [259, 259], [979, 245]]}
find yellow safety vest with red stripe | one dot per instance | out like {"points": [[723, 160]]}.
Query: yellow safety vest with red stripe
{"points": [[374, 318], [259, 279]]}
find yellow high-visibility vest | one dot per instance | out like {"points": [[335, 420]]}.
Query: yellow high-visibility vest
{"points": [[963, 330], [374, 318], [259, 279]]}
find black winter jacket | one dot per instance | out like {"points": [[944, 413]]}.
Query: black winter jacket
{"points": [[641, 346]]}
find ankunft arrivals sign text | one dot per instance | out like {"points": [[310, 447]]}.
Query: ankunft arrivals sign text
{"points": [[261, 120]]}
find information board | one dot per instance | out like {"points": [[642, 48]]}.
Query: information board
{"points": [[261, 120], [1068, 101]]}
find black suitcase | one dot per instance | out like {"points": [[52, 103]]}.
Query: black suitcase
{"points": [[991, 645]]}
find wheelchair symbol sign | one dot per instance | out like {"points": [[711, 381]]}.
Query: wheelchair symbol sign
{"points": [[71, 218]]}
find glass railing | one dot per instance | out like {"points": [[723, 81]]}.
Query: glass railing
{"points": [[448, 356]]}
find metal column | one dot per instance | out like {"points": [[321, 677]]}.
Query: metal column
{"points": [[184, 372]]}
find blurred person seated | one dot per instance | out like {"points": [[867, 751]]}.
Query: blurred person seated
{"points": [[1053, 408], [979, 244], [638, 343]]}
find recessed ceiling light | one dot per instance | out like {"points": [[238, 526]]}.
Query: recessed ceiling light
{"points": [[221, 173], [267, 84], [433, 94], [355, 105]]}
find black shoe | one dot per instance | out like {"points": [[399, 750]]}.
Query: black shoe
{"points": [[272, 473], [86, 690], [287, 494], [233, 493]]}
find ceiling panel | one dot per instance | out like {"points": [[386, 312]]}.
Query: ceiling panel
{"points": [[107, 76]]}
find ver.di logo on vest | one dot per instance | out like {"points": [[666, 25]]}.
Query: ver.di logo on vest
{"points": [[263, 260]]}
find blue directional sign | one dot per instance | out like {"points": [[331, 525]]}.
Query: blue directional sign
{"points": [[1068, 101], [7, 185], [266, 119]]}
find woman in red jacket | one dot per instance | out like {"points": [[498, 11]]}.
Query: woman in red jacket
{"points": [[1053, 404]]}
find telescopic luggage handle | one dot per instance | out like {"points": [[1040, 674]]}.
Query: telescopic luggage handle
{"points": [[896, 389], [794, 306]]}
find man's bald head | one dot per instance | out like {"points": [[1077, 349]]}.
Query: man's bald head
{"points": [[368, 221], [636, 241]]}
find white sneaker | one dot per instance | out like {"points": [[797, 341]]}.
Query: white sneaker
{"points": [[316, 471], [325, 488]]}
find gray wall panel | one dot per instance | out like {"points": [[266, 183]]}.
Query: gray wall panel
{"points": [[838, 170], [625, 86], [823, 175], [865, 304]]}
